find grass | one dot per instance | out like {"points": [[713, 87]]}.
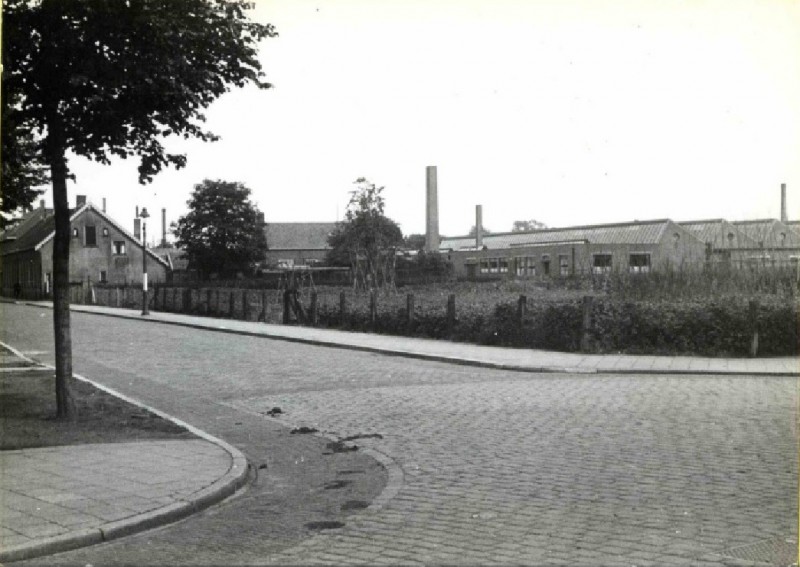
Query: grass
{"points": [[28, 409]]}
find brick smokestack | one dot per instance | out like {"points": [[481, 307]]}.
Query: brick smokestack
{"points": [[80, 200], [431, 211], [784, 214], [164, 227], [478, 227]]}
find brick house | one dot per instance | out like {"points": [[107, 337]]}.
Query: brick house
{"points": [[101, 251]]}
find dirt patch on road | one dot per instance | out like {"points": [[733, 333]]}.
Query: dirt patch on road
{"points": [[28, 410]]}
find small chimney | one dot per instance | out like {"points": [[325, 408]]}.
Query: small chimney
{"points": [[137, 226], [261, 221], [41, 204], [432, 211], [478, 227], [784, 214], [164, 227], [104, 204], [80, 200], [137, 212]]}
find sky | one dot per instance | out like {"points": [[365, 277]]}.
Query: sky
{"points": [[569, 112]]}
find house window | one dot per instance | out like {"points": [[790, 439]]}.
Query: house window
{"points": [[105, 231], [601, 263], [639, 263], [103, 276], [75, 233], [563, 264], [118, 246], [90, 236]]}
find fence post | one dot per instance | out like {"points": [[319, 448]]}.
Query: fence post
{"points": [[188, 293], [263, 315], [522, 305], [217, 310], [314, 310], [164, 297], [175, 299], [231, 304], [587, 322], [208, 301], [373, 307], [451, 310], [342, 308], [753, 309], [409, 309], [286, 306], [116, 296]]}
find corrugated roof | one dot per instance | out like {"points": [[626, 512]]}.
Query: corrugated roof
{"points": [[720, 233], [638, 232], [768, 232], [298, 235]]}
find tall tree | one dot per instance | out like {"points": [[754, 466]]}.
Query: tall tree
{"points": [[102, 78], [221, 233], [367, 238]]}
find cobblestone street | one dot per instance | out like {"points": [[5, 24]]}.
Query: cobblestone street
{"points": [[497, 467]]}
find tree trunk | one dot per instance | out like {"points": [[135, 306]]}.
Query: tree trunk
{"points": [[61, 317]]}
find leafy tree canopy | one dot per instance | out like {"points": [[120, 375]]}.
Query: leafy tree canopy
{"points": [[473, 231], [525, 225], [222, 232]]}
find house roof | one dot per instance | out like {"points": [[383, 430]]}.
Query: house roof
{"points": [[34, 231], [637, 232], [298, 235]]}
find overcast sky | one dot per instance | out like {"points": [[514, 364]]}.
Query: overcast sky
{"points": [[566, 111]]}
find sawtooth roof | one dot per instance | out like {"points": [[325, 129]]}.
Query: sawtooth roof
{"points": [[637, 232]]}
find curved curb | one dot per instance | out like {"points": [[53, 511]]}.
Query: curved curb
{"points": [[219, 490], [461, 361]]}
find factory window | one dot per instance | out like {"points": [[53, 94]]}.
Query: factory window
{"points": [[639, 263], [503, 263], [484, 266], [601, 263], [103, 276], [546, 264], [493, 266], [90, 233], [531, 265], [563, 264], [119, 247]]}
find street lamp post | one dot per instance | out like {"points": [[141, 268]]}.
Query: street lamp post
{"points": [[144, 215]]}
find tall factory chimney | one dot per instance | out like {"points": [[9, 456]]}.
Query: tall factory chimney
{"points": [[784, 214], [431, 211], [137, 212], [164, 227], [478, 227]]}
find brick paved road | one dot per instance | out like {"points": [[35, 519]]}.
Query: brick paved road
{"points": [[498, 467]]}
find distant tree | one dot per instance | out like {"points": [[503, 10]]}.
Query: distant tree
{"points": [[526, 225], [103, 78], [414, 241], [473, 231], [366, 240], [221, 233]]}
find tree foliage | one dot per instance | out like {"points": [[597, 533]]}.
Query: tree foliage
{"points": [[222, 232], [103, 78], [367, 238], [526, 225], [474, 231]]}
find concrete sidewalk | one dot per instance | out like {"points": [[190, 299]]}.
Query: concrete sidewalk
{"points": [[54, 499], [462, 353]]}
